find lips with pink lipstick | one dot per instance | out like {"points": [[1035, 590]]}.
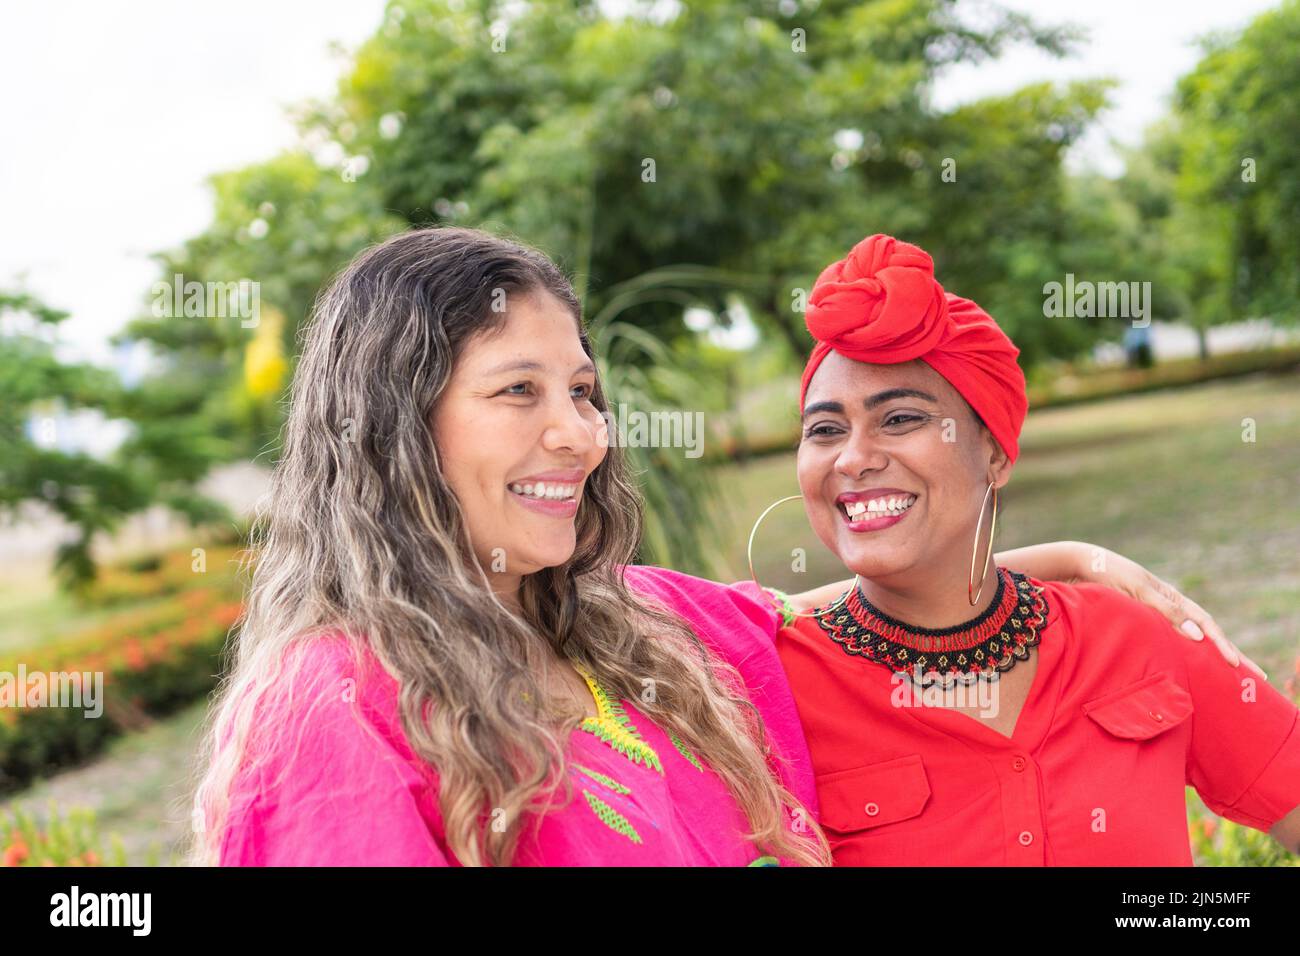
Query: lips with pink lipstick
{"points": [[553, 493], [875, 508]]}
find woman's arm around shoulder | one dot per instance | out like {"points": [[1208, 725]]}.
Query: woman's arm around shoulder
{"points": [[1071, 562]]}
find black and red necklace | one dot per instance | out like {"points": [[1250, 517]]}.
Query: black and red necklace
{"points": [[982, 648]]}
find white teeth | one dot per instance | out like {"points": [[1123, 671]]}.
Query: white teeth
{"points": [[879, 507], [554, 491]]}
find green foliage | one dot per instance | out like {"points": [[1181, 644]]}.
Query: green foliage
{"points": [[91, 494], [1011, 222], [286, 224], [1238, 169], [725, 154], [1208, 208], [544, 119], [639, 371], [550, 133]]}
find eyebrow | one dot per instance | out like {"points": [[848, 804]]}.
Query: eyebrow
{"points": [[528, 365], [888, 395]]}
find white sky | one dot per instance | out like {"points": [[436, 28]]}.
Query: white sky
{"points": [[1145, 44], [115, 113]]}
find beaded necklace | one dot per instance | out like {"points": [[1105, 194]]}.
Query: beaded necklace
{"points": [[980, 649]]}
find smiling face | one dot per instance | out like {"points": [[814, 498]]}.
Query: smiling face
{"points": [[893, 466], [517, 435]]}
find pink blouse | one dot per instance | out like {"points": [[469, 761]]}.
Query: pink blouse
{"points": [[342, 786]]}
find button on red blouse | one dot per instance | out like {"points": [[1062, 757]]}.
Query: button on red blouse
{"points": [[1123, 714]]}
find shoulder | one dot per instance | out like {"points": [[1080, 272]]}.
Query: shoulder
{"points": [[331, 696], [335, 670], [738, 616], [319, 659], [329, 777], [1114, 629], [738, 625]]}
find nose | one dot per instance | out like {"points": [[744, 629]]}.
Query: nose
{"points": [[567, 429], [858, 456]]}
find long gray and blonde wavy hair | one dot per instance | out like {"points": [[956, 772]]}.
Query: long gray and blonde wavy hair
{"points": [[366, 538]]}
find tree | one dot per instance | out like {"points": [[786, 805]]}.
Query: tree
{"points": [[720, 153], [284, 225], [1239, 121], [1179, 244], [92, 495], [758, 140]]}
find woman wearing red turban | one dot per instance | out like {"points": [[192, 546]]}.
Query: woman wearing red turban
{"points": [[957, 712]]}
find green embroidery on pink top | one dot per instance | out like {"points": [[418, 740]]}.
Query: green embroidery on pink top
{"points": [[788, 614], [612, 818], [602, 778], [604, 812], [614, 727]]}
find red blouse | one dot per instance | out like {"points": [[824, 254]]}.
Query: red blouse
{"points": [[1123, 713]]}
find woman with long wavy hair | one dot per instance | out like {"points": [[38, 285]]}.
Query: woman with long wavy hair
{"points": [[467, 532], [444, 641]]}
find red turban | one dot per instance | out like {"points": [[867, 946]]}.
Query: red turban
{"points": [[882, 304]]}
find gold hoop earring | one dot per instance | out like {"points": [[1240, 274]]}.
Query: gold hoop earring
{"points": [[749, 553], [988, 555]]}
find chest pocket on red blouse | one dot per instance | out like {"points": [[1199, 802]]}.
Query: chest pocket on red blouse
{"points": [[1143, 710], [873, 795]]}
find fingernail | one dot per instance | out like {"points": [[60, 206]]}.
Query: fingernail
{"points": [[1193, 630]]}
